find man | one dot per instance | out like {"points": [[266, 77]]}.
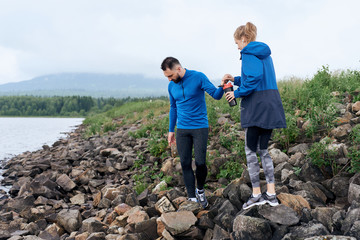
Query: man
{"points": [[188, 110]]}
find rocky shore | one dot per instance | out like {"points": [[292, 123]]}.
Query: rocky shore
{"points": [[84, 189]]}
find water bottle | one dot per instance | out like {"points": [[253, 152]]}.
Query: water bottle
{"points": [[228, 87]]}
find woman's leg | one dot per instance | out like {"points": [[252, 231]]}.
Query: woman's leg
{"points": [[251, 141], [266, 160]]}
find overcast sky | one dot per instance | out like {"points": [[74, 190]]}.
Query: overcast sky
{"points": [[39, 37]]}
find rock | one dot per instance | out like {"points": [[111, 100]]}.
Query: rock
{"points": [[355, 230], [178, 222], [96, 236], [309, 172], [190, 206], [65, 182], [219, 233], [280, 167], [341, 132], [78, 199], [331, 237], [222, 120], [109, 152], [122, 208], [4, 234], [356, 107], [354, 189], [192, 233], [352, 216], [308, 230], [324, 215], [136, 215], [92, 225], [340, 186], [149, 227], [160, 187], [252, 228], [278, 156], [302, 148], [165, 233], [70, 220], [164, 205], [295, 202], [280, 214]]}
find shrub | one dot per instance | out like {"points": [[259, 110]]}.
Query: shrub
{"points": [[230, 170]]}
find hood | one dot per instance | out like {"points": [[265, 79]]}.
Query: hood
{"points": [[258, 49]]}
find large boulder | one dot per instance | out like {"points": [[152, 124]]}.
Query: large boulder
{"points": [[247, 227], [354, 189], [178, 222], [280, 214]]}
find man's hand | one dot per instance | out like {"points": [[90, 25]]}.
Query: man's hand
{"points": [[226, 78], [171, 138], [229, 96]]}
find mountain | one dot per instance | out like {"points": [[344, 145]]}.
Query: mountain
{"points": [[88, 84]]}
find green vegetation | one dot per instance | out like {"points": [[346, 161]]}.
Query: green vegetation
{"points": [[322, 155], [75, 106], [354, 151]]}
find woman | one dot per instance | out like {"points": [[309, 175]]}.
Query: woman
{"points": [[261, 109]]}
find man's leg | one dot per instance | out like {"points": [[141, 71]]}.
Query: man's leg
{"points": [[184, 142], [200, 137]]}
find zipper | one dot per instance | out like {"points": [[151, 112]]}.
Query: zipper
{"points": [[183, 88]]}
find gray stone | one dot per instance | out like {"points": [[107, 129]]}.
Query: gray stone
{"points": [[91, 225], [178, 222], [252, 228], [354, 189], [219, 233], [96, 236], [352, 216], [324, 215], [149, 227], [70, 220], [278, 156], [280, 214], [355, 230], [302, 148], [65, 182], [308, 230], [309, 172]]}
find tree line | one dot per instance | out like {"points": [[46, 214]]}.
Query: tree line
{"points": [[69, 106]]}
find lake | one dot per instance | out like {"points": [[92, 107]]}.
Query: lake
{"points": [[18, 135]]}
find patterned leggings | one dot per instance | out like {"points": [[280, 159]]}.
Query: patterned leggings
{"points": [[256, 141]]}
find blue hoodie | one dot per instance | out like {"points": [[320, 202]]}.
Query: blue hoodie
{"points": [[261, 104], [187, 101]]}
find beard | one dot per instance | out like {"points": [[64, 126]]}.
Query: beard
{"points": [[178, 79]]}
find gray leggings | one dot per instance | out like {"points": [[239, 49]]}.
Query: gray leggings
{"points": [[256, 141]]}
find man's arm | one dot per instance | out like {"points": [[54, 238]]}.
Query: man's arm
{"points": [[208, 87], [172, 119]]}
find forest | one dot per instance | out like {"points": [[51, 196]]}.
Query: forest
{"points": [[60, 106]]}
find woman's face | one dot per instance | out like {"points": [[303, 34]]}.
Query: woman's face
{"points": [[241, 43]]}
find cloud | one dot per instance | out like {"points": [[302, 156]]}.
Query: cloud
{"points": [[42, 37]]}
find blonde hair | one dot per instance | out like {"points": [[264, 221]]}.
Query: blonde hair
{"points": [[249, 31]]}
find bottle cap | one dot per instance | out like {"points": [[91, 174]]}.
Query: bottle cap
{"points": [[227, 85]]}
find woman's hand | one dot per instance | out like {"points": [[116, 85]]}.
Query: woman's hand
{"points": [[229, 96], [226, 78]]}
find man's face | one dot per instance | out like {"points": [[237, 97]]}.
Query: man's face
{"points": [[173, 74]]}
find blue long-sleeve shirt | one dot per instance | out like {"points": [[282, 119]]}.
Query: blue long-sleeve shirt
{"points": [[187, 101]]}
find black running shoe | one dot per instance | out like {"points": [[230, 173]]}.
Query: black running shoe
{"points": [[201, 198], [253, 201], [272, 200]]}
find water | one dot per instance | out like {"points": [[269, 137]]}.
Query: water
{"points": [[18, 135]]}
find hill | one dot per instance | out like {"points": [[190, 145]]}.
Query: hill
{"points": [[88, 84]]}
